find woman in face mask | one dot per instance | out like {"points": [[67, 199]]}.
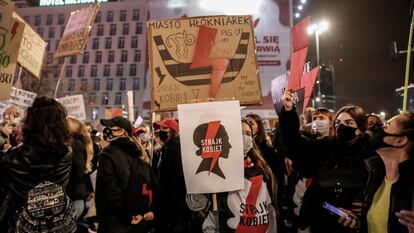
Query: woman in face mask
{"points": [[335, 163], [389, 194]]}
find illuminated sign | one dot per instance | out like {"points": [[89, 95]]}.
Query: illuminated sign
{"points": [[67, 2]]}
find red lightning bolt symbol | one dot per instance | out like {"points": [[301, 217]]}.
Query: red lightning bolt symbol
{"points": [[147, 192], [212, 130], [205, 42], [14, 30]]}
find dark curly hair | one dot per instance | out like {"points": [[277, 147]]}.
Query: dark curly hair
{"points": [[46, 124]]}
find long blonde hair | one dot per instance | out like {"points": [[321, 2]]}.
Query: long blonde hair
{"points": [[77, 126]]}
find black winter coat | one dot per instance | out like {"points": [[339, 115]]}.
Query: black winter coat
{"points": [[76, 189], [402, 192]]}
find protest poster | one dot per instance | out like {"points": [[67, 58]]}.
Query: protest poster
{"points": [[6, 11], [211, 146], [113, 112], [32, 49], [74, 106], [202, 58], [279, 86], [77, 31], [9, 50], [19, 98]]}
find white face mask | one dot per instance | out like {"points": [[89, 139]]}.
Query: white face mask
{"points": [[144, 137], [247, 144], [320, 126]]}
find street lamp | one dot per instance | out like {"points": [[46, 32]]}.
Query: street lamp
{"points": [[318, 29]]}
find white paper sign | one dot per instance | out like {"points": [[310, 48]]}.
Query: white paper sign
{"points": [[74, 106], [19, 98], [211, 146]]}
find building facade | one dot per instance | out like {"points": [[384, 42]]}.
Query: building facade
{"points": [[114, 60]]}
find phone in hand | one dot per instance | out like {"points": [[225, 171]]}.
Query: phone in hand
{"points": [[335, 210]]}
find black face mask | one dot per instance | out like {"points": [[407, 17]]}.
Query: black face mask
{"points": [[107, 134], [163, 135], [345, 133], [377, 140]]}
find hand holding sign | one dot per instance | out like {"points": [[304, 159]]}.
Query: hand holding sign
{"points": [[287, 99]]}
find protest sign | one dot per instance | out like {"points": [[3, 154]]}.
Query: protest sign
{"points": [[279, 86], [77, 31], [9, 50], [211, 146], [74, 106], [19, 98], [32, 49], [113, 112], [6, 10], [202, 58]]}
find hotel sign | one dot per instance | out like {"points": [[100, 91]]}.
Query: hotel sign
{"points": [[68, 2]]}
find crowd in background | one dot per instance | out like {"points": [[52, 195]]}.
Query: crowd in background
{"points": [[317, 172]]}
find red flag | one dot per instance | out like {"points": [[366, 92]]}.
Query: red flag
{"points": [[299, 34], [307, 82], [296, 69]]}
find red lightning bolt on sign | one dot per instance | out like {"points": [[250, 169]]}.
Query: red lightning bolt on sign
{"points": [[205, 42], [14, 30], [212, 130], [147, 192]]}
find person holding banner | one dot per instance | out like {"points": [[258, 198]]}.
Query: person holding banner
{"points": [[336, 164]]}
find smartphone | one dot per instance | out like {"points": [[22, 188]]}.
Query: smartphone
{"points": [[335, 210]]}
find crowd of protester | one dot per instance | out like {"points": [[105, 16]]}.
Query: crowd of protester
{"points": [[321, 173]]}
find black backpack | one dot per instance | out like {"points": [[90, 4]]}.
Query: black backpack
{"points": [[139, 192]]}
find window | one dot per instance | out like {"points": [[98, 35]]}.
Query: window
{"points": [[92, 98], [62, 30], [110, 16], [81, 71], [73, 59], [95, 44], [137, 55], [27, 19], [61, 60], [119, 70], [49, 19], [84, 85], [111, 56], [109, 84], [121, 42], [96, 84], [85, 58], [122, 84], [98, 57], [69, 71], [51, 32], [71, 86], [135, 15], [124, 56], [61, 19], [94, 70], [107, 70], [118, 99], [98, 17], [48, 45], [122, 15], [133, 70], [105, 98], [100, 30], [57, 44], [125, 29], [40, 31], [134, 42], [135, 85], [138, 28], [38, 20], [112, 32], [108, 43]]}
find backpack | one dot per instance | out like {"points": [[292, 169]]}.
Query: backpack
{"points": [[48, 209], [139, 194]]}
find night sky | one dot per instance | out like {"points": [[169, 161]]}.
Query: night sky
{"points": [[360, 33]]}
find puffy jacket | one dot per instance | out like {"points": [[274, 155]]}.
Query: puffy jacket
{"points": [[402, 192]]}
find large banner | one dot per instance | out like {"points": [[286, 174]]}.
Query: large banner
{"points": [[211, 146], [19, 98], [6, 9], [74, 106], [32, 50], [77, 31], [9, 50], [202, 58]]}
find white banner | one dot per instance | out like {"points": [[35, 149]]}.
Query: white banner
{"points": [[74, 105], [211, 146], [19, 98]]}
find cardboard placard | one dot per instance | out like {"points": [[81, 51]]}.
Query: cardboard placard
{"points": [[6, 9], [77, 31], [74, 106], [202, 58], [211, 146], [32, 49], [19, 98]]}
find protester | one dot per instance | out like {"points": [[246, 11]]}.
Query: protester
{"points": [[390, 190], [322, 123], [11, 120], [374, 121], [44, 155], [115, 171], [235, 212], [335, 163]]}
